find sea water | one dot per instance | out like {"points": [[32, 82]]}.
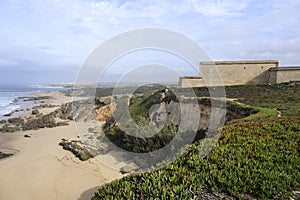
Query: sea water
{"points": [[10, 95]]}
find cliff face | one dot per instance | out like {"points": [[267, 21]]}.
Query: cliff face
{"points": [[160, 116], [162, 108], [105, 112], [185, 114]]}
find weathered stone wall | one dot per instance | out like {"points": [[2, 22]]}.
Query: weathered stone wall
{"points": [[191, 81], [240, 72], [284, 74]]}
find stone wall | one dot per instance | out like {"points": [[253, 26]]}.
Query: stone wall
{"points": [[284, 74], [239, 72], [191, 81]]}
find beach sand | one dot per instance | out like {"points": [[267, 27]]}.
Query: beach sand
{"points": [[43, 170]]}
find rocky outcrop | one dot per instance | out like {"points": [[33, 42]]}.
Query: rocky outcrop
{"points": [[16, 121], [39, 98], [5, 155], [131, 167], [8, 128], [45, 106], [35, 112], [83, 110], [182, 114], [77, 148], [43, 121], [105, 112]]}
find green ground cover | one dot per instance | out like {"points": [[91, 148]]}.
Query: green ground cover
{"points": [[257, 156]]}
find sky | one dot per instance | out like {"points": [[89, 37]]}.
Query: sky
{"points": [[46, 41]]}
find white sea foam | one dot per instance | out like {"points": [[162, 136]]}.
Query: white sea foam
{"points": [[7, 104], [45, 87], [9, 96]]}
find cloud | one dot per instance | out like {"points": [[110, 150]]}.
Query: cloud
{"points": [[220, 8], [39, 35]]}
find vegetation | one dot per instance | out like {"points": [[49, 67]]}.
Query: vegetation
{"points": [[256, 156], [141, 145], [283, 97]]}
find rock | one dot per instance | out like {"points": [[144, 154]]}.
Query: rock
{"points": [[9, 129], [96, 129], [16, 121], [8, 115], [37, 98], [40, 122], [2, 121], [82, 110], [64, 123], [35, 112], [132, 167], [103, 100], [4, 155], [77, 148], [27, 136], [105, 112]]}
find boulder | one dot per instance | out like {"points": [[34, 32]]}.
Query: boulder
{"points": [[76, 148], [35, 112], [9, 129], [16, 121], [131, 167]]}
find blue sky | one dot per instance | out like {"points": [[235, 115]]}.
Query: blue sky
{"points": [[46, 41]]}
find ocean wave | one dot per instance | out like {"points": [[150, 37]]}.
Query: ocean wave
{"points": [[45, 87], [5, 101], [8, 109], [8, 104]]}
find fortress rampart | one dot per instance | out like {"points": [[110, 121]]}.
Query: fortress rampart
{"points": [[240, 73]]}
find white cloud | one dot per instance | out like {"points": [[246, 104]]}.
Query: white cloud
{"points": [[62, 33], [220, 8]]}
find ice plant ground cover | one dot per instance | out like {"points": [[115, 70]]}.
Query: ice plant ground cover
{"points": [[257, 157]]}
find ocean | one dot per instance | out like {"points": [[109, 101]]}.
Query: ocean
{"points": [[9, 95]]}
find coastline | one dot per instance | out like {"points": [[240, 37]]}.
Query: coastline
{"points": [[44, 170]]}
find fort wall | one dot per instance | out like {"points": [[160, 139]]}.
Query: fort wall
{"points": [[241, 73], [191, 81], [284, 74]]}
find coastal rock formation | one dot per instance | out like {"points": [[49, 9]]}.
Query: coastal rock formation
{"points": [[8, 128], [39, 98], [5, 155], [35, 112], [16, 121], [44, 106], [43, 121], [131, 167], [77, 148], [82, 110], [105, 112]]}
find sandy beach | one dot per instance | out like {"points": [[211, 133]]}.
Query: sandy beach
{"points": [[43, 170]]}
